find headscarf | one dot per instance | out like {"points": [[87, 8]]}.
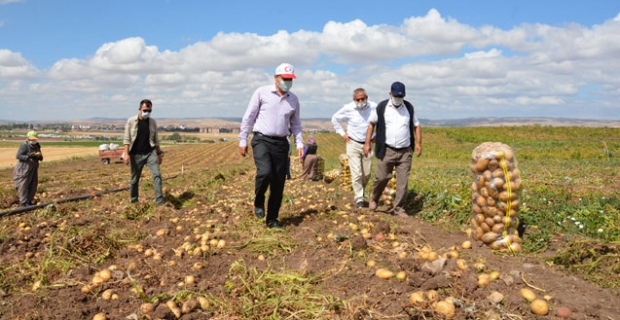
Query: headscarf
{"points": [[311, 140]]}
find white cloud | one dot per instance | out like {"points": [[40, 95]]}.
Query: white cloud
{"points": [[14, 66], [450, 69]]}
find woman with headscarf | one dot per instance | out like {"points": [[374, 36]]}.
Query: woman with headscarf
{"points": [[309, 160], [26, 173]]}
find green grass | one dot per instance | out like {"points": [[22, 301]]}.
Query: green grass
{"points": [[565, 170]]}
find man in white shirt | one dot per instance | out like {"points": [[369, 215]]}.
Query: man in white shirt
{"points": [[356, 114], [398, 129]]}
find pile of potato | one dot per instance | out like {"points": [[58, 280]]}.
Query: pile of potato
{"points": [[331, 175], [495, 196], [390, 191], [345, 173], [320, 167]]}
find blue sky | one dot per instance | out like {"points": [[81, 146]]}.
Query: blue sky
{"points": [[81, 59]]}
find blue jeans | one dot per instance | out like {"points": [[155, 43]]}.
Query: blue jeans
{"points": [[137, 162]]}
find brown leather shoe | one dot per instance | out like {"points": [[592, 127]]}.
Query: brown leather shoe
{"points": [[401, 213], [372, 205]]}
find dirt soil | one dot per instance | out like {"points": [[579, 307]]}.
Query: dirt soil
{"points": [[319, 241]]}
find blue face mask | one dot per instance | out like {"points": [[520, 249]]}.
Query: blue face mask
{"points": [[145, 114], [285, 85]]}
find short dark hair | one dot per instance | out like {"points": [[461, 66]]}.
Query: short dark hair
{"points": [[147, 102]]}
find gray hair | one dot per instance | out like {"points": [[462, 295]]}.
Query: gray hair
{"points": [[358, 90]]}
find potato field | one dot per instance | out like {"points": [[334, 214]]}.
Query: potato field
{"points": [[205, 255]]}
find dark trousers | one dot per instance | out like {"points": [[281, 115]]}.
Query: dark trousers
{"points": [[393, 159], [137, 163], [270, 157]]}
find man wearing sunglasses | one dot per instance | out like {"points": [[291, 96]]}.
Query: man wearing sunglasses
{"points": [[142, 148], [356, 114]]}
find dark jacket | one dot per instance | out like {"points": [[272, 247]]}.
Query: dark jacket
{"points": [[29, 151], [380, 137]]}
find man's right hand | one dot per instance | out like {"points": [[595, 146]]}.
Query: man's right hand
{"points": [[126, 159], [366, 149], [346, 138], [243, 151]]}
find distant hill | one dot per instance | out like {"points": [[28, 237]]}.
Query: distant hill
{"points": [[325, 123]]}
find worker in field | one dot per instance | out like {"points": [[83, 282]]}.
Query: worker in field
{"points": [[398, 134], [26, 172], [356, 114], [272, 113], [142, 147], [310, 160]]}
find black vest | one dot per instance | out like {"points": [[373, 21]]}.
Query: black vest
{"points": [[380, 144]]}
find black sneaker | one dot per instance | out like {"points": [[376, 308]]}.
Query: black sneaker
{"points": [[274, 225], [259, 212], [359, 204]]}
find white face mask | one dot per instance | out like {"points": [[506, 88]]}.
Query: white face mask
{"points": [[33, 142], [285, 85], [145, 114], [397, 101], [361, 105]]}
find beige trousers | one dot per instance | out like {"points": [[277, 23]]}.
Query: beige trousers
{"points": [[360, 166]]}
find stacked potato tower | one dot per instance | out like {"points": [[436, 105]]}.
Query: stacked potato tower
{"points": [[320, 167], [390, 191], [345, 173], [495, 196]]}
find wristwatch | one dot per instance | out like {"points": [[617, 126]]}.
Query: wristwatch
{"points": [[161, 153]]}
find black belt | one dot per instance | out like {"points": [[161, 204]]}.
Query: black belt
{"points": [[360, 142], [270, 137], [397, 149]]}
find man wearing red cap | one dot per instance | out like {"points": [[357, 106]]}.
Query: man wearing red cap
{"points": [[272, 114], [398, 131]]}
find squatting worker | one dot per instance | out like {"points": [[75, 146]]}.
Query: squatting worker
{"points": [[356, 115], [272, 114], [142, 145], [26, 172], [398, 129]]}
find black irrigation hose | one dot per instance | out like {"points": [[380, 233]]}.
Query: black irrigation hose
{"points": [[78, 198]]}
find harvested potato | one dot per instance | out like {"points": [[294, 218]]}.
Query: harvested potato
{"points": [[528, 294], [539, 307], [384, 273], [418, 299], [445, 308], [495, 195]]}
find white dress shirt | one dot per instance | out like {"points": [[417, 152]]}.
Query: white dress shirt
{"points": [[357, 120], [396, 125]]}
